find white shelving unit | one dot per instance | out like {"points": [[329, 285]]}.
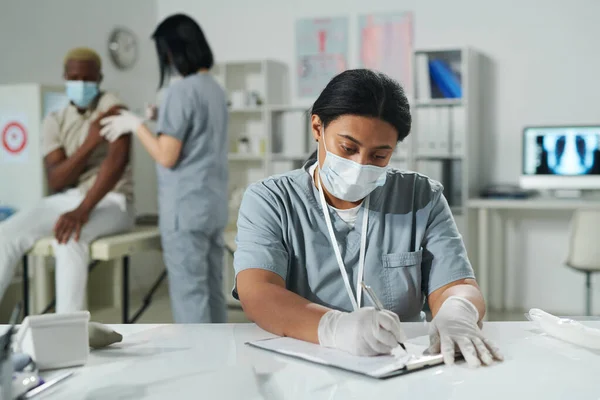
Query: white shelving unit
{"points": [[446, 131], [252, 87], [262, 122]]}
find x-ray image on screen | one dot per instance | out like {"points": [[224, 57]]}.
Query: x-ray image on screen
{"points": [[562, 151]]}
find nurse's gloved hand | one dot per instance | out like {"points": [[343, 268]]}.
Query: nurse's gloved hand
{"points": [[455, 328], [365, 332], [123, 124]]}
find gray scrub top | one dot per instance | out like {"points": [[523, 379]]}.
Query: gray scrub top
{"points": [[413, 245], [192, 195]]}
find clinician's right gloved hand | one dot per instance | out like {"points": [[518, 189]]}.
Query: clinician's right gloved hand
{"points": [[124, 123], [365, 332]]}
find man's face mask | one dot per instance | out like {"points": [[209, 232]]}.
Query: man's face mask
{"points": [[82, 93]]}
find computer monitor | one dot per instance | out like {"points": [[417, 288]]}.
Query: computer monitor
{"points": [[561, 157]]}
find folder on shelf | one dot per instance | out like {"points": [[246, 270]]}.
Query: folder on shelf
{"points": [[456, 194], [442, 132], [444, 79], [425, 123], [458, 130], [448, 173], [385, 366], [433, 169], [423, 79], [401, 165], [437, 141], [404, 148]]}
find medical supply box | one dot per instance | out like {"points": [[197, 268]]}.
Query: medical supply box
{"points": [[55, 340]]}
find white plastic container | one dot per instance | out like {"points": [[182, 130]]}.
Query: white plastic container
{"points": [[566, 329], [238, 98], [55, 340]]}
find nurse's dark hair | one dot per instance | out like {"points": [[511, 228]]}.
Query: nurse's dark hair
{"points": [[179, 40], [364, 93]]}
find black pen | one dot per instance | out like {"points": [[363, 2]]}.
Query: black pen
{"points": [[376, 303]]}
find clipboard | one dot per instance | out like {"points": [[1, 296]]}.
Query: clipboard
{"points": [[379, 367]]}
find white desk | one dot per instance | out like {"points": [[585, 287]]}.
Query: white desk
{"points": [[212, 362], [491, 218]]}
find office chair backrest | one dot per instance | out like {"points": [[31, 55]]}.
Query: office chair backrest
{"points": [[584, 243]]}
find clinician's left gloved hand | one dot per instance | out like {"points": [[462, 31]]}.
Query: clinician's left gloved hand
{"points": [[123, 124], [455, 328]]}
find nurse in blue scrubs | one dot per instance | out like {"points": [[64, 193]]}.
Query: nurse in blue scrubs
{"points": [[306, 239], [190, 151]]}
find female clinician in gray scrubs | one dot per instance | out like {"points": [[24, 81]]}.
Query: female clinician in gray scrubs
{"points": [[191, 154], [308, 238]]}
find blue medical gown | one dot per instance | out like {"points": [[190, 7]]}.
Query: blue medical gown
{"points": [[413, 245], [192, 196]]}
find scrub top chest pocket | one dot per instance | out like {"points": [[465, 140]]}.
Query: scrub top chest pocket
{"points": [[402, 282]]}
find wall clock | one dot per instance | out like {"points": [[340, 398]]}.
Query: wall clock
{"points": [[123, 48]]}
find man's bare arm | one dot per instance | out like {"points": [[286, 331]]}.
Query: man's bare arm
{"points": [[110, 172], [62, 171]]}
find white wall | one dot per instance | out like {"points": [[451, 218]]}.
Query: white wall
{"points": [[544, 62], [37, 34]]}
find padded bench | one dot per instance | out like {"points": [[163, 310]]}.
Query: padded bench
{"points": [[109, 248]]}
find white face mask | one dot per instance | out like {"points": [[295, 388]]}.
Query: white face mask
{"points": [[348, 180]]}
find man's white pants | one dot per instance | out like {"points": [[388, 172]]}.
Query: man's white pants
{"points": [[19, 233]]}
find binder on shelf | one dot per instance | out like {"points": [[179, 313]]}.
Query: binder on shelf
{"points": [[442, 131], [448, 173], [288, 133], [401, 165], [444, 79], [458, 131], [426, 125], [456, 176], [423, 79], [404, 148], [433, 169], [434, 132]]}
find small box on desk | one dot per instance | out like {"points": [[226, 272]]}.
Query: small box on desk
{"points": [[55, 340]]}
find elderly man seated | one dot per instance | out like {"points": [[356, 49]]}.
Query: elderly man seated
{"points": [[91, 179]]}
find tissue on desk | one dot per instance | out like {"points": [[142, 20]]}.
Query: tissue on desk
{"points": [[102, 336]]}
